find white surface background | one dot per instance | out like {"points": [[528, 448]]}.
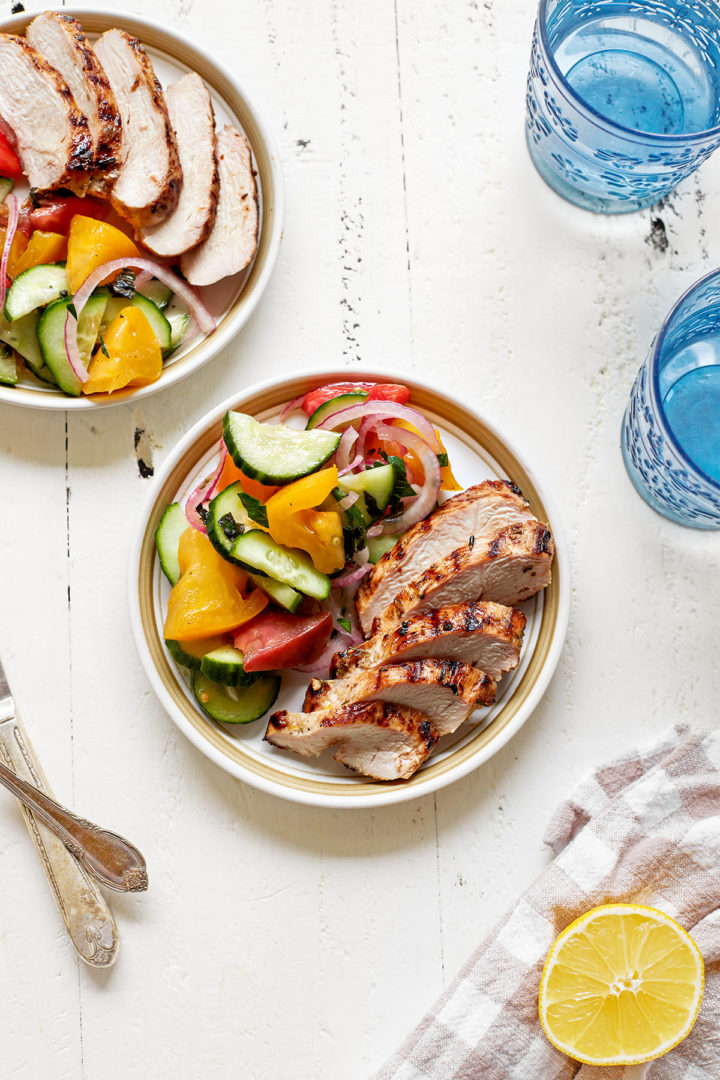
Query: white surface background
{"points": [[280, 942]]}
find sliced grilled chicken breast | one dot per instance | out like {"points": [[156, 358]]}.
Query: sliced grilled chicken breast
{"points": [[377, 739], [193, 120], [231, 245], [52, 133], [149, 181], [60, 40], [488, 636], [508, 569], [480, 511], [446, 691]]}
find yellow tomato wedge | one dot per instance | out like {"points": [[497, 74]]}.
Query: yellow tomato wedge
{"points": [[134, 355], [207, 598], [292, 521], [447, 480], [92, 243], [621, 985], [42, 247], [17, 248]]}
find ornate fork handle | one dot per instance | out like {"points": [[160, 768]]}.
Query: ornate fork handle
{"points": [[110, 859]]}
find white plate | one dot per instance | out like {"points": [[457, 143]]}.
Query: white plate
{"points": [[231, 301], [477, 452]]}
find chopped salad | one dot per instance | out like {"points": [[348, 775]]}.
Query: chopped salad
{"points": [[265, 554]]}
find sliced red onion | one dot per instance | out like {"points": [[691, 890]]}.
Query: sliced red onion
{"points": [[385, 410], [345, 448], [350, 577], [203, 318], [375, 530], [427, 495], [142, 278], [203, 493], [14, 214], [351, 498], [291, 407], [362, 557], [356, 461]]}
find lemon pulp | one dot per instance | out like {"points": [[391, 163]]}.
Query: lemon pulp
{"points": [[621, 985]]}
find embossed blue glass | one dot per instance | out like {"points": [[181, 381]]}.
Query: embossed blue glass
{"points": [[623, 97], [671, 431]]}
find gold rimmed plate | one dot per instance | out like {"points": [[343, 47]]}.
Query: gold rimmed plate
{"points": [[477, 452], [231, 301]]}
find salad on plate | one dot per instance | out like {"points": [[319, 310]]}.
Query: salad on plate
{"points": [[335, 541]]}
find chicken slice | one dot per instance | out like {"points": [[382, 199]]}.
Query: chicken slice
{"points": [[480, 511], [60, 40], [488, 636], [149, 182], [193, 120], [377, 739], [508, 569], [232, 244], [53, 137], [446, 691]]}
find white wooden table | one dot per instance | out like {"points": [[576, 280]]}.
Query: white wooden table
{"points": [[279, 942]]}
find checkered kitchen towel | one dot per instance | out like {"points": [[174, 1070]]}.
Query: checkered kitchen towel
{"points": [[644, 828]]}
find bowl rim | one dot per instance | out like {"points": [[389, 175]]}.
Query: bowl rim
{"points": [[378, 795], [271, 221]]}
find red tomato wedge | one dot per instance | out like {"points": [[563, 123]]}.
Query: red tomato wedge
{"points": [[276, 639], [9, 161], [374, 391], [56, 213]]}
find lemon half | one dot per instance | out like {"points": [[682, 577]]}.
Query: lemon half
{"points": [[621, 985]]}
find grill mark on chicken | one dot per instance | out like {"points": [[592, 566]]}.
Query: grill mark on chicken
{"points": [[376, 739], [140, 203], [446, 691], [82, 71], [471, 517], [62, 131], [487, 635], [493, 571]]}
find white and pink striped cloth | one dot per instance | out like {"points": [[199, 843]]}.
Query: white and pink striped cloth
{"points": [[643, 829]]}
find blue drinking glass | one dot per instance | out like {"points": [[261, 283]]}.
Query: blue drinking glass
{"points": [[623, 97], [671, 430]]}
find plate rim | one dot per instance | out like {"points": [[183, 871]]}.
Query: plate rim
{"points": [[272, 224], [379, 794]]}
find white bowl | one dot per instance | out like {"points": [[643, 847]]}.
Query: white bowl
{"points": [[477, 451], [231, 301]]}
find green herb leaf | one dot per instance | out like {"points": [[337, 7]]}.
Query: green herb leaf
{"points": [[230, 527], [103, 347], [443, 461], [346, 625], [72, 310], [34, 199], [254, 509], [124, 284]]}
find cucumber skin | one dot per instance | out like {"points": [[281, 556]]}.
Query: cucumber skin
{"points": [[263, 693], [256, 473], [342, 401], [167, 538], [11, 301], [216, 536], [299, 558], [22, 337], [227, 668]]}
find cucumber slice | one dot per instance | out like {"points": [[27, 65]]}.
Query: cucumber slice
{"points": [[226, 519], [283, 595], [167, 538], [342, 401], [157, 291], [22, 337], [225, 665], [380, 545], [189, 653], [8, 366], [51, 336], [179, 323], [275, 453], [230, 705], [6, 186], [35, 288], [374, 488], [256, 550], [151, 311]]}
